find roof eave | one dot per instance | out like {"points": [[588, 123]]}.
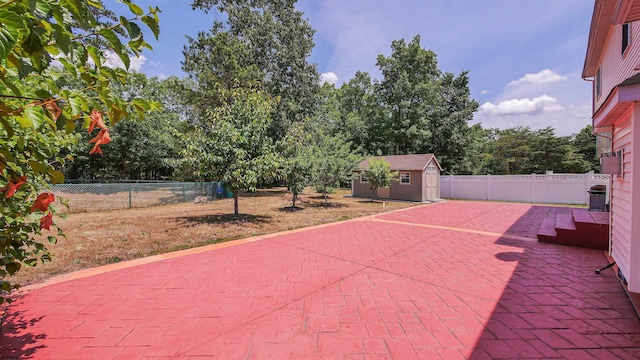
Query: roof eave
{"points": [[605, 14], [593, 53]]}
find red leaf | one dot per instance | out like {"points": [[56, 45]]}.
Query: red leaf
{"points": [[42, 202], [100, 139], [46, 221], [96, 120], [53, 107], [13, 185]]}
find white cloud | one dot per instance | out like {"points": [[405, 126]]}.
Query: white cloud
{"points": [[113, 61], [538, 105], [545, 76], [484, 92], [328, 77]]}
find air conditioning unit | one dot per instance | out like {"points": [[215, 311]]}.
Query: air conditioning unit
{"points": [[611, 163]]}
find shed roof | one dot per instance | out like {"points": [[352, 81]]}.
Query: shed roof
{"points": [[404, 162]]}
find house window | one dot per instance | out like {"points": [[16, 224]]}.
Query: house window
{"points": [[626, 36], [598, 83], [363, 178], [405, 178]]}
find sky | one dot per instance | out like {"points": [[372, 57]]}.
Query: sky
{"points": [[524, 57]]}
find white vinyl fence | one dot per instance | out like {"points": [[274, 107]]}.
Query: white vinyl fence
{"points": [[535, 188]]}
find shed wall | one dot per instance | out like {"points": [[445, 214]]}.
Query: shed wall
{"points": [[409, 192], [360, 189]]}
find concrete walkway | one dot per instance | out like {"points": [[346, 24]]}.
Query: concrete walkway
{"points": [[453, 280]]}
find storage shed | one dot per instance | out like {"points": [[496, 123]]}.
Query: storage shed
{"points": [[418, 179]]}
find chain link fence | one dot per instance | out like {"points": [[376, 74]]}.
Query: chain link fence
{"points": [[125, 195]]}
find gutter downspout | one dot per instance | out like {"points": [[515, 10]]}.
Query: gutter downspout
{"points": [[593, 103], [610, 197]]}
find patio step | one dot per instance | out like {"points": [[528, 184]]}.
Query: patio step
{"points": [[547, 230], [576, 227], [565, 222]]}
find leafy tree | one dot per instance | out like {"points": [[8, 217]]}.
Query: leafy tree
{"points": [[480, 147], [360, 114], [275, 38], [512, 152], [379, 174], [584, 143], [39, 108], [139, 150], [333, 162], [218, 63], [450, 136], [326, 118], [521, 150], [295, 167], [408, 94], [547, 150], [415, 108], [233, 146]]}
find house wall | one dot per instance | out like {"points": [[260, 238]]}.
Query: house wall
{"points": [[634, 164], [615, 67], [410, 192], [625, 199]]}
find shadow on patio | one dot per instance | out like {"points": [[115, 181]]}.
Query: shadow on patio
{"points": [[555, 306]]}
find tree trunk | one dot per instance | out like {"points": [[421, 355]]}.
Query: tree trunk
{"points": [[324, 193], [235, 203], [293, 203]]}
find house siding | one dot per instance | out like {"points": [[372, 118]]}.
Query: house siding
{"points": [[410, 192], [616, 67], [634, 178], [625, 236], [622, 113], [633, 276]]}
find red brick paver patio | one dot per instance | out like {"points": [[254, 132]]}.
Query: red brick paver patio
{"points": [[453, 280]]}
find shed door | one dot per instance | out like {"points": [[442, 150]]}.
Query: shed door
{"points": [[432, 182]]}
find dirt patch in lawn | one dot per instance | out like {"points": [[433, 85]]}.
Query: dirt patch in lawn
{"points": [[99, 238]]}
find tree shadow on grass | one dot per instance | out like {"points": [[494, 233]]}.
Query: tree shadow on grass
{"points": [[329, 205], [264, 193], [375, 201], [320, 197], [17, 341], [223, 219], [291, 209]]}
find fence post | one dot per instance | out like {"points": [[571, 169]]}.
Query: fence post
{"points": [[130, 188], [587, 183], [488, 176], [533, 187], [451, 187], [184, 193]]}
